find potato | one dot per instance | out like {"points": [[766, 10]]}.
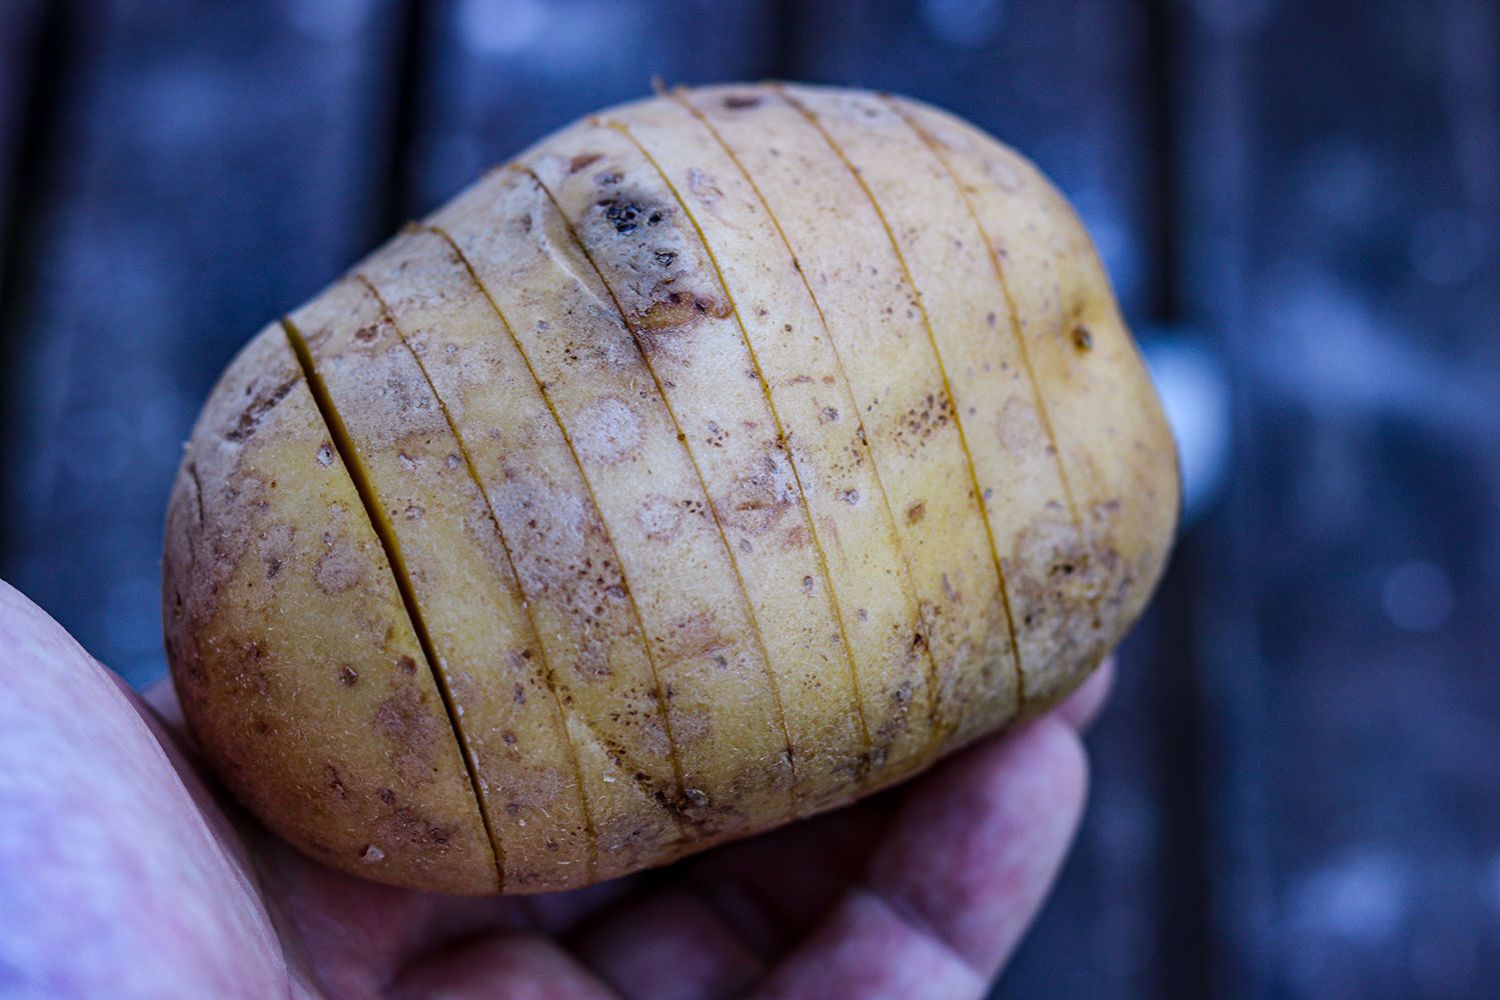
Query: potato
{"points": [[726, 457]]}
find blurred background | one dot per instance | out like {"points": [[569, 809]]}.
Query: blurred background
{"points": [[1297, 786]]}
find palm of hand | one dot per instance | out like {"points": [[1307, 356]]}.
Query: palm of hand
{"points": [[122, 873]]}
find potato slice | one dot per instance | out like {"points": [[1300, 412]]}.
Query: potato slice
{"points": [[569, 577], [676, 571], [1109, 428], [295, 660]]}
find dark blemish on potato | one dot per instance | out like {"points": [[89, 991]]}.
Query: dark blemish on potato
{"points": [[348, 676], [916, 512], [628, 216], [403, 720], [739, 102], [518, 694], [331, 777], [454, 461], [325, 455], [807, 584], [765, 496], [828, 380], [608, 178], [829, 415], [679, 309], [275, 547], [407, 827], [863, 615], [386, 795], [1083, 339], [365, 334], [582, 161], [990, 319], [414, 512], [850, 497], [256, 411], [406, 665]]}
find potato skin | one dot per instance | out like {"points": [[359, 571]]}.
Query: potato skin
{"points": [[727, 456]]}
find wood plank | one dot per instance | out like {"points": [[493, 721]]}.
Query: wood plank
{"points": [[504, 75], [20, 38], [1061, 80], [211, 168], [1349, 610]]}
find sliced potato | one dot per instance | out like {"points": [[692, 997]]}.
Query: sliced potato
{"points": [[728, 456]]}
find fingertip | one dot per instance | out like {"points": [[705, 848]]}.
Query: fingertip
{"points": [[975, 850], [162, 697], [1082, 708]]}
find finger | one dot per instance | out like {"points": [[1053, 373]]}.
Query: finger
{"points": [[1083, 706], [774, 888], [107, 847], [670, 945], [162, 697], [514, 965], [948, 894]]}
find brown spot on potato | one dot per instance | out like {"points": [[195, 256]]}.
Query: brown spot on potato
{"points": [[260, 404], [275, 548], [406, 665], [1083, 339], [403, 720], [760, 499], [405, 826], [680, 309], [348, 676], [916, 512], [739, 102], [583, 161]]}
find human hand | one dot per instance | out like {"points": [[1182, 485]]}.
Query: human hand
{"points": [[125, 872]]}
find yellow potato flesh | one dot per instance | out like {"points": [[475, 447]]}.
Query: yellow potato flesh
{"points": [[728, 456]]}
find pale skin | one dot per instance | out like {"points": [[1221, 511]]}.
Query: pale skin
{"points": [[125, 871]]}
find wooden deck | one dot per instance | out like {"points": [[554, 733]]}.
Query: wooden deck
{"points": [[1297, 787]]}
